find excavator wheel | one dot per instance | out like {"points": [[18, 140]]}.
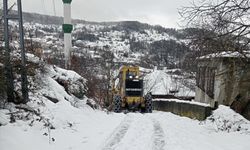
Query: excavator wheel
{"points": [[148, 103], [117, 103]]}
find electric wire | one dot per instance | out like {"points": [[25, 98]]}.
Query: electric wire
{"points": [[54, 7], [43, 7]]}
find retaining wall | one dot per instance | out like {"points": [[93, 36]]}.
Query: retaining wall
{"points": [[190, 110]]}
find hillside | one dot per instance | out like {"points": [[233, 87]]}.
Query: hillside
{"points": [[59, 116], [67, 109], [129, 41], [100, 48]]}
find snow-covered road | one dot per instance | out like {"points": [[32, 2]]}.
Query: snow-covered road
{"points": [[136, 132], [77, 129], [162, 131]]}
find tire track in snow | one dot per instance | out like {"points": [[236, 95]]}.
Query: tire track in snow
{"points": [[139, 135], [118, 134], [158, 136]]}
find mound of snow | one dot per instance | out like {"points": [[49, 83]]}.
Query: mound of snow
{"points": [[66, 124], [225, 119], [47, 93], [70, 80]]}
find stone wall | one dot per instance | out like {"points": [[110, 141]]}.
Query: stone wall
{"points": [[190, 110]]}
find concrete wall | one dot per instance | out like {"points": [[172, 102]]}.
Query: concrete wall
{"points": [[220, 84], [183, 109], [231, 80], [202, 97], [231, 86]]}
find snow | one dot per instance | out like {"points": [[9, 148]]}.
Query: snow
{"points": [[117, 41], [75, 83], [65, 74], [159, 82], [4, 119], [53, 89], [32, 58], [70, 124], [54, 124], [183, 101], [74, 129], [94, 130], [225, 119], [184, 133], [228, 54]]}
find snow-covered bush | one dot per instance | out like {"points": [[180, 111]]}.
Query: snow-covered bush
{"points": [[225, 119]]}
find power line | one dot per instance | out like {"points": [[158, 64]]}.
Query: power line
{"points": [[43, 7], [54, 7]]}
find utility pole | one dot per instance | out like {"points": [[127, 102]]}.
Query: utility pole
{"points": [[67, 29], [8, 66]]}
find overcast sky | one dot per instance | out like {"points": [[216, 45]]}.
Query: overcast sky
{"points": [[156, 12]]}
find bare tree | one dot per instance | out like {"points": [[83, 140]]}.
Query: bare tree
{"points": [[225, 23]]}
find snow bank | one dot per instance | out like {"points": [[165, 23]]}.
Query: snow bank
{"points": [[58, 126], [72, 82], [65, 74], [50, 86], [63, 124], [182, 133], [225, 119]]}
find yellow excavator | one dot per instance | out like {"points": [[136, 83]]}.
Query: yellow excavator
{"points": [[128, 93]]}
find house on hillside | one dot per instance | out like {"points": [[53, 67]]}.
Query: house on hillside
{"points": [[224, 78]]}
